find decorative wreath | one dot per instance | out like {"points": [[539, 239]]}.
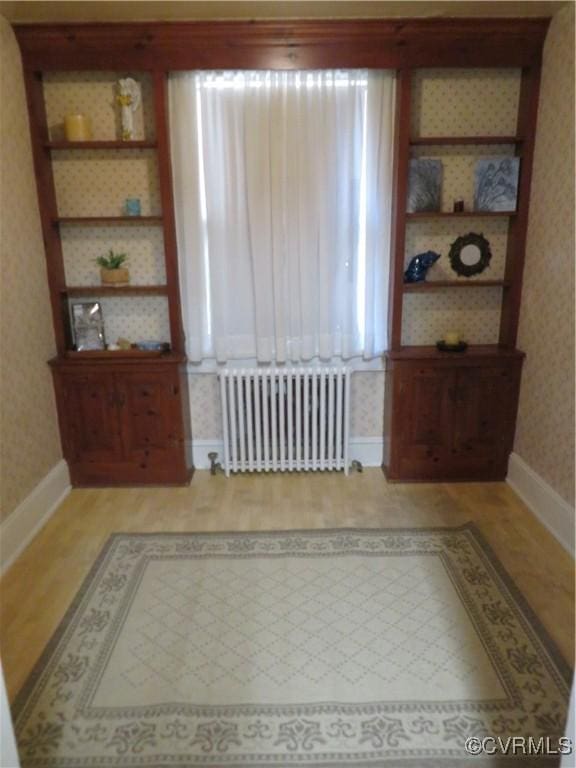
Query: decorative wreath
{"points": [[467, 270]]}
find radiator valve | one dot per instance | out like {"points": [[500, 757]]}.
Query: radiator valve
{"points": [[215, 466]]}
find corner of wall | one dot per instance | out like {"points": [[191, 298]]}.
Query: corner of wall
{"points": [[30, 439], [545, 427]]}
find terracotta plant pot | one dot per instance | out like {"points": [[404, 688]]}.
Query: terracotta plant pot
{"points": [[119, 276]]}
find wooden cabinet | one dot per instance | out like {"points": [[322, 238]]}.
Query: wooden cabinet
{"points": [[450, 419], [89, 406], [484, 416], [123, 424], [149, 404], [425, 404]]}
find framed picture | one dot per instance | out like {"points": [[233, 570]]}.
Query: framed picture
{"points": [[424, 185], [87, 325], [496, 184]]}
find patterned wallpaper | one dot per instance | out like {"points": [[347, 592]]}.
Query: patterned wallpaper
{"points": [[465, 102], [545, 433], [30, 441], [475, 314], [97, 182]]}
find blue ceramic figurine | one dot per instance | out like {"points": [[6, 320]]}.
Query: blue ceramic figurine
{"points": [[419, 265]]}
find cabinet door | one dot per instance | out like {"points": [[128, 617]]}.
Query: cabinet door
{"points": [[485, 413], [425, 419], [91, 414], [149, 407]]}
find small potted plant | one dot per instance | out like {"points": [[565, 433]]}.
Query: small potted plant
{"points": [[111, 270]]}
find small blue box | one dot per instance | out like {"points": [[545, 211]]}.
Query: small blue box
{"points": [[132, 206]]}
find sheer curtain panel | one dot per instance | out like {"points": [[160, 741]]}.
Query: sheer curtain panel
{"points": [[282, 186]]}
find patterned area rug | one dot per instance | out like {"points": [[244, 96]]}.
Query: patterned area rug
{"points": [[309, 648]]}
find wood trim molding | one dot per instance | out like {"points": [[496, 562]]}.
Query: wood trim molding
{"points": [[304, 44], [518, 225], [168, 216], [400, 186]]}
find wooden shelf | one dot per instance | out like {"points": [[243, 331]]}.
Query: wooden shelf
{"points": [[108, 354], [459, 215], [118, 220], [473, 351], [432, 285], [121, 290], [463, 140], [145, 144], [122, 356]]}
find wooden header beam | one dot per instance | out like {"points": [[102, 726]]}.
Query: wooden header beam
{"points": [[390, 44]]}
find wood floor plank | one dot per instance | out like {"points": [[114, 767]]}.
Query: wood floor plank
{"points": [[39, 587]]}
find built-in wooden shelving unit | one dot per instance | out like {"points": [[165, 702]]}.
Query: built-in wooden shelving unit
{"points": [[104, 447], [451, 415], [124, 414]]}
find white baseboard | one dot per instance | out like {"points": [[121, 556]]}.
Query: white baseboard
{"points": [[367, 450], [30, 515], [548, 506], [201, 449], [8, 750]]}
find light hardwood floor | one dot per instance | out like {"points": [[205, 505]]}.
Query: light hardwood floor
{"points": [[38, 588]]}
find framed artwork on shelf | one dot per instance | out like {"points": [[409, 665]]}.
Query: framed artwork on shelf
{"points": [[424, 185], [496, 184], [87, 325]]}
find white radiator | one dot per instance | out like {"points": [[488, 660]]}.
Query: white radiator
{"points": [[285, 419]]}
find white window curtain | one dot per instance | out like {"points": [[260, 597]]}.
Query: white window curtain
{"points": [[282, 186]]}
